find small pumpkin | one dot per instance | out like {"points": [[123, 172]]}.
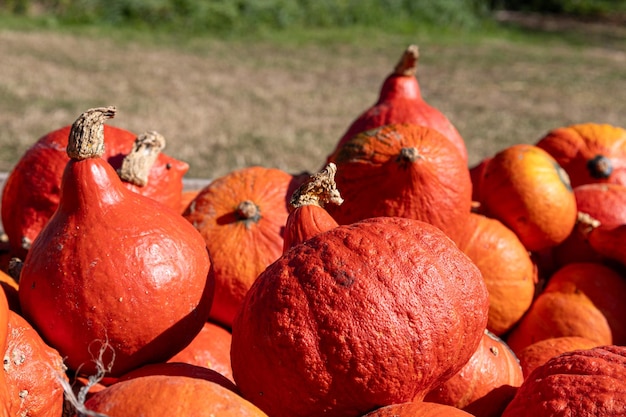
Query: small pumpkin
{"points": [[526, 189], [108, 256], [403, 170], [241, 217], [400, 101], [588, 152], [360, 316], [486, 383], [418, 409], [540, 352], [588, 382]]}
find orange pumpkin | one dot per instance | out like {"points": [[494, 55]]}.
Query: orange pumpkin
{"points": [[241, 217], [400, 101], [403, 170], [10, 287], [417, 409], [506, 267], [525, 189], [4, 329], [588, 152], [608, 242], [540, 352], [486, 383]]}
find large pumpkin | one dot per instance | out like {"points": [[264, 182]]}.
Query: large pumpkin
{"points": [[400, 101], [524, 188], [360, 316], [241, 217], [418, 409], [32, 190], [4, 328], [588, 152], [581, 383], [113, 267], [403, 170]]}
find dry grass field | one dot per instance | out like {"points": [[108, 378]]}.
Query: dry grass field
{"points": [[226, 104]]}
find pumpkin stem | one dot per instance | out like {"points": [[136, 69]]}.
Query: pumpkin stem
{"points": [[86, 139], [318, 190], [585, 223], [407, 66], [137, 164], [408, 155], [600, 167], [15, 268], [248, 211]]}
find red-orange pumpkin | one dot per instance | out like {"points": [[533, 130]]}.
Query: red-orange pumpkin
{"points": [[4, 328], [113, 267], [486, 383], [581, 383], [34, 372], [540, 352], [363, 315], [589, 152], [608, 242], [400, 101], [403, 170], [10, 287], [241, 217], [32, 190], [524, 188], [506, 267], [418, 409]]}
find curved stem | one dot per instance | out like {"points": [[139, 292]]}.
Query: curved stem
{"points": [[407, 65], [86, 139], [320, 189], [137, 164]]}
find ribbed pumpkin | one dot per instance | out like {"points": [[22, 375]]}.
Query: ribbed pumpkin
{"points": [[417, 409], [486, 383], [32, 190], [33, 372], [588, 152], [113, 267], [540, 352], [400, 101], [506, 267], [241, 217], [581, 383], [524, 188], [166, 395], [361, 316], [403, 170]]}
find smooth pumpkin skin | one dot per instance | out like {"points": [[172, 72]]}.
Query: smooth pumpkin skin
{"points": [[608, 241], [540, 352], [363, 315], [33, 370], [507, 269], [400, 101], [4, 329], [574, 147], [305, 222], [32, 189], [581, 383], [10, 287], [524, 188], [241, 247], [418, 409], [431, 183], [167, 395], [110, 256]]}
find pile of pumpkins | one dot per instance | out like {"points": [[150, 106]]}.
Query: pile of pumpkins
{"points": [[396, 281]]}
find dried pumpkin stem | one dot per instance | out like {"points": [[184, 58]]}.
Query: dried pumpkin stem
{"points": [[585, 223], [247, 210], [137, 164], [86, 139], [407, 65], [319, 190], [408, 155]]}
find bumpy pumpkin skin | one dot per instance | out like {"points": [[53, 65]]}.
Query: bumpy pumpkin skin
{"points": [[4, 328], [418, 409], [506, 266], [581, 383], [167, 395], [361, 316], [32, 190], [524, 188], [403, 170], [400, 101], [589, 152], [538, 353], [33, 370], [241, 217]]}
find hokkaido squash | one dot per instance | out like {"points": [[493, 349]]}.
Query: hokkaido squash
{"points": [[608, 242], [400, 101], [524, 188], [32, 189], [418, 409], [106, 260], [588, 382], [406, 171], [241, 216], [588, 152], [360, 316], [4, 328]]}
